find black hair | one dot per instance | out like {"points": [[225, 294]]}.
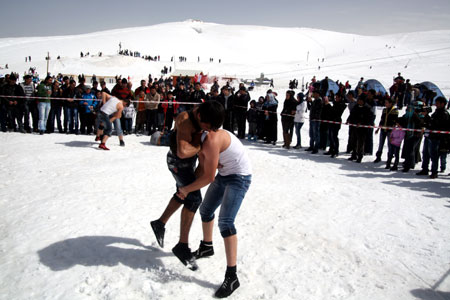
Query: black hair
{"points": [[213, 113], [441, 100]]}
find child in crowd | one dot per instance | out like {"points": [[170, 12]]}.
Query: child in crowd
{"points": [[252, 118], [128, 113], [395, 140], [87, 107]]}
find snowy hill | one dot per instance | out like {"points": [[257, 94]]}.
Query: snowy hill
{"points": [[245, 51], [74, 221]]}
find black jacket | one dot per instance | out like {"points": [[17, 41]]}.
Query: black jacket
{"points": [[240, 102], [361, 115]]}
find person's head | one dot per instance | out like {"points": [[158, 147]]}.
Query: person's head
{"points": [[252, 103], [211, 115], [98, 94], [82, 80], [197, 86], [153, 90], [87, 90], [143, 83], [55, 85], [361, 100], [226, 90], [388, 103], [95, 84], [27, 79], [338, 97], [441, 102], [72, 83], [48, 80], [123, 82], [261, 99], [141, 94], [300, 97], [351, 95], [126, 102], [12, 79], [102, 84], [169, 95], [181, 86]]}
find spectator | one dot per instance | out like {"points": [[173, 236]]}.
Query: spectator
{"points": [[315, 111], [13, 107], [361, 114], [389, 118], [395, 139], [299, 118], [44, 91], [252, 118], [287, 118], [71, 109], [270, 107], [29, 105], [152, 101], [333, 129], [240, 105], [226, 98], [55, 109]]}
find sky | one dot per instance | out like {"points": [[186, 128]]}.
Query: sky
{"points": [[27, 18]]}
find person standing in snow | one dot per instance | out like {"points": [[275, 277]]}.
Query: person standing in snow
{"points": [[185, 143], [315, 111], [389, 118], [299, 118], [361, 114], [221, 151], [110, 111], [287, 118], [240, 106]]}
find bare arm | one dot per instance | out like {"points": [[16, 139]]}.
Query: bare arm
{"points": [[210, 160], [105, 97]]}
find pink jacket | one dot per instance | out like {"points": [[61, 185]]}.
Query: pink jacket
{"points": [[397, 136]]}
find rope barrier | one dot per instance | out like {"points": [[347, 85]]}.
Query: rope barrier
{"points": [[288, 115]]}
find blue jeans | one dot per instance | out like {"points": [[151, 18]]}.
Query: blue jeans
{"points": [[433, 149], [104, 119], [228, 191], [72, 115], [44, 109], [298, 126], [314, 135], [183, 171], [384, 134], [117, 127]]}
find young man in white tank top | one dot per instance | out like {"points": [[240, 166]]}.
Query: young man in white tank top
{"points": [[223, 151], [111, 110]]}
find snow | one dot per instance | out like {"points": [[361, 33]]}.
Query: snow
{"points": [[75, 220]]}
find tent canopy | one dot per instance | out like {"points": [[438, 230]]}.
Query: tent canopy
{"points": [[429, 86], [373, 84]]}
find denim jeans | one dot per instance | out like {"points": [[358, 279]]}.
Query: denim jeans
{"points": [[183, 171], [333, 136], [117, 127], [394, 151], [103, 118], [55, 113], [433, 149], [72, 114], [298, 126], [314, 135], [384, 134], [44, 109], [227, 191]]}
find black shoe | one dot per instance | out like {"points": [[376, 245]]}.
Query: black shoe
{"points": [[309, 149], [333, 155], [122, 143], [159, 230], [314, 151], [394, 168], [203, 250], [377, 160], [41, 132], [405, 170], [183, 253], [434, 175], [229, 285], [327, 153], [423, 172], [359, 160], [388, 167], [353, 157]]}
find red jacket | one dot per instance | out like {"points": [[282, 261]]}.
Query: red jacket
{"points": [[165, 105]]}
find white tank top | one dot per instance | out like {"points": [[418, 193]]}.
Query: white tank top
{"points": [[110, 106], [234, 159]]}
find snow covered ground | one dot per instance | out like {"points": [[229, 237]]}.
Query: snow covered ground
{"points": [[74, 221], [75, 225]]}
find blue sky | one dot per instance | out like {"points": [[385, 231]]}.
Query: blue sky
{"points": [[51, 17]]}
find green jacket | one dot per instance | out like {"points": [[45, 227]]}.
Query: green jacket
{"points": [[42, 92]]}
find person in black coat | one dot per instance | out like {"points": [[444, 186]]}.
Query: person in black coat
{"points": [[287, 118], [333, 129], [12, 107], [270, 107], [197, 96], [226, 98], [361, 114], [240, 106], [326, 115]]}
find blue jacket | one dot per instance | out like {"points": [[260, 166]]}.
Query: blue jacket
{"points": [[91, 101]]}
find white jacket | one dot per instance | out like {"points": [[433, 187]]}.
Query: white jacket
{"points": [[300, 113]]}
